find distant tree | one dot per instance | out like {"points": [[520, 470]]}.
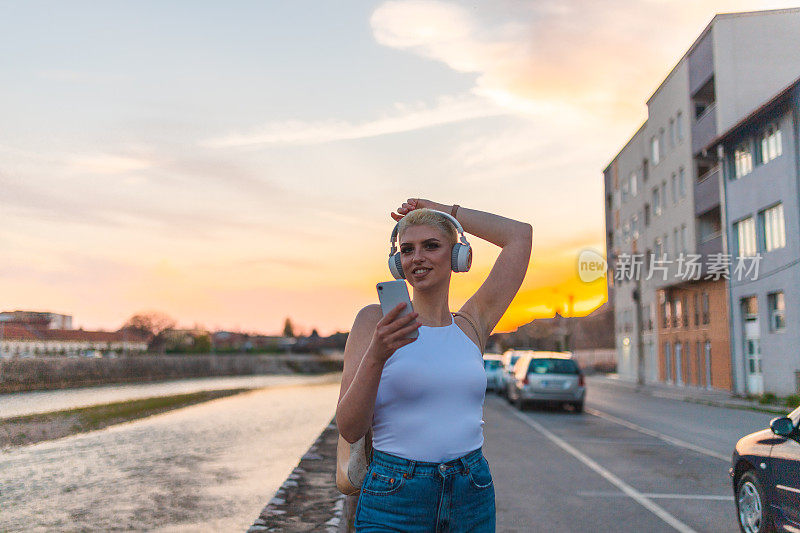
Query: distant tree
{"points": [[153, 324], [202, 344], [288, 329]]}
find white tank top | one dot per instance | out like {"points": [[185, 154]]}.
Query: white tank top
{"points": [[429, 405]]}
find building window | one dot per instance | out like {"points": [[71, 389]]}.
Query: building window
{"points": [[655, 152], [679, 125], [675, 244], [750, 307], [772, 229], [672, 133], [770, 144], [635, 226], [674, 187], [683, 238], [662, 146], [682, 182], [685, 312], [646, 215], [658, 248], [705, 308], [746, 231], [777, 311], [663, 195], [742, 160], [626, 185], [634, 184], [657, 201], [666, 244], [665, 314], [677, 317], [696, 311]]}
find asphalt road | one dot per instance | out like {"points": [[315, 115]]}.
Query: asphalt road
{"points": [[631, 462]]}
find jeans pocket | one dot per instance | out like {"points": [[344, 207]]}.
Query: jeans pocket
{"points": [[479, 474], [382, 481]]}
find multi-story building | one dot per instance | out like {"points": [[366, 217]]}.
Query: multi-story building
{"points": [[36, 319], [758, 159], [19, 341], [663, 200]]}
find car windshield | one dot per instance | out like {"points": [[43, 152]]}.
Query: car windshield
{"points": [[553, 366], [491, 364]]}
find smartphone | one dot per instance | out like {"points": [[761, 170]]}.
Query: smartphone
{"points": [[391, 293]]}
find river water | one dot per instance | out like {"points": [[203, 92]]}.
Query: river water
{"points": [[207, 467], [26, 403]]}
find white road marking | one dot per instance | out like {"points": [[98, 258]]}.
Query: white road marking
{"points": [[656, 434], [790, 489], [656, 496], [640, 498]]}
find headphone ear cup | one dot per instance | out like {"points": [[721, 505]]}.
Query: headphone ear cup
{"points": [[396, 266], [461, 258]]}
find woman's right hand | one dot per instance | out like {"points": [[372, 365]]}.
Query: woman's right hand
{"points": [[391, 332]]}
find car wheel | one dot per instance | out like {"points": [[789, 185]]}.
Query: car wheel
{"points": [[578, 406], [752, 506]]}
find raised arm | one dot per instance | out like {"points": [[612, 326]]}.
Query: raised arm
{"points": [[492, 299]]}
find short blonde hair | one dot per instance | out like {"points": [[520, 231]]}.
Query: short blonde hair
{"points": [[428, 217]]}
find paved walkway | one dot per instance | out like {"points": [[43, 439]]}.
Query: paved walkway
{"points": [[716, 397]]}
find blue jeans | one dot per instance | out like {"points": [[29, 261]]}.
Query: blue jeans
{"points": [[414, 496]]}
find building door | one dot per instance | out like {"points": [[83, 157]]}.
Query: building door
{"points": [[678, 363], [667, 363], [752, 345]]}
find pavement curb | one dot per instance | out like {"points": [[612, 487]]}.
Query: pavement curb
{"points": [[686, 395], [308, 500]]}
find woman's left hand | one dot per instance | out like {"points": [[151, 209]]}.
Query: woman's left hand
{"points": [[408, 206]]}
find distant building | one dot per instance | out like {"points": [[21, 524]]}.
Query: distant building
{"points": [[590, 338], [758, 162], [19, 341], [36, 319]]}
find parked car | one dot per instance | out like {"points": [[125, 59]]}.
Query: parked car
{"points": [[547, 377], [493, 364], [765, 470], [510, 358]]}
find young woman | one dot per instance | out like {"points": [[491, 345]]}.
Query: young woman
{"points": [[423, 397]]}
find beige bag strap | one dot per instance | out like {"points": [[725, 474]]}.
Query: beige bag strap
{"points": [[471, 322]]}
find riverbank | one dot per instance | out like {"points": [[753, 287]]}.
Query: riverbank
{"points": [[43, 373], [30, 429], [308, 500]]}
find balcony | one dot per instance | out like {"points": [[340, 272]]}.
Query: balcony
{"points": [[711, 245], [705, 128], [706, 191]]}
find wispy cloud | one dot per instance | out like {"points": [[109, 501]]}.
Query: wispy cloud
{"points": [[601, 57], [402, 118]]}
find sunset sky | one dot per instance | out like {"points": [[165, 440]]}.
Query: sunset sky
{"points": [[234, 163]]}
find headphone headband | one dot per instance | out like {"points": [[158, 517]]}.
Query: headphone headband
{"points": [[448, 216]]}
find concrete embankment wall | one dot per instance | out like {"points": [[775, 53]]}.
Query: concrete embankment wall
{"points": [[18, 375]]}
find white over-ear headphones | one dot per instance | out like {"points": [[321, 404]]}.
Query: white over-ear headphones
{"points": [[460, 258]]}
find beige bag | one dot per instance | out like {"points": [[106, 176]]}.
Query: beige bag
{"points": [[352, 463]]}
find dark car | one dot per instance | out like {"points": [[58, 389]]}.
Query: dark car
{"points": [[766, 477]]}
